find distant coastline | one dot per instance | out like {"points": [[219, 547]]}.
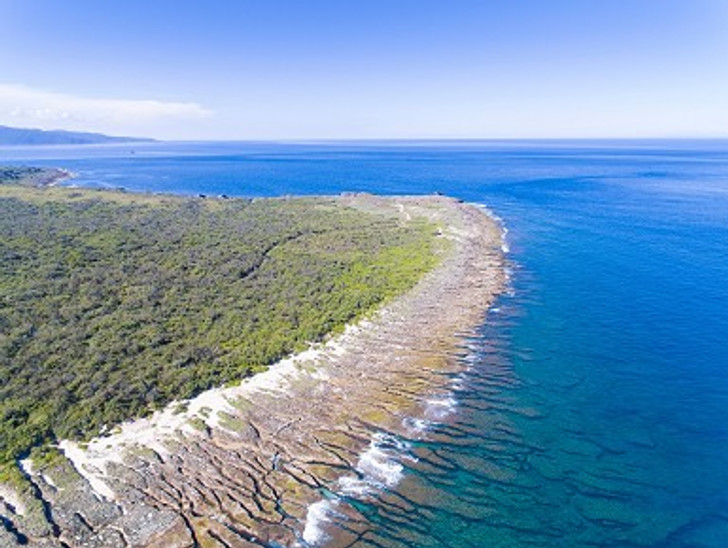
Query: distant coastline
{"points": [[12, 136]]}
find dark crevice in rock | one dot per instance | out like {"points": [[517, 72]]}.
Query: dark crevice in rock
{"points": [[10, 527], [122, 534], [190, 530], [45, 506], [84, 521], [218, 538]]}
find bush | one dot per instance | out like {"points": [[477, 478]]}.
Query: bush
{"points": [[115, 304]]}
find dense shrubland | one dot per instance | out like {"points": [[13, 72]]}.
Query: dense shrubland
{"points": [[23, 175], [113, 304]]}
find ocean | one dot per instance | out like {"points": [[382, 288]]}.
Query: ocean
{"points": [[592, 405]]}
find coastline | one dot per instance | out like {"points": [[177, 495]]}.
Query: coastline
{"points": [[250, 465], [37, 177], [57, 177]]}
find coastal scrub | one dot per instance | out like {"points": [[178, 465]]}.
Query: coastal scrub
{"points": [[114, 304]]}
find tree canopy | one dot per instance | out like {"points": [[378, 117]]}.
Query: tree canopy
{"points": [[114, 304]]}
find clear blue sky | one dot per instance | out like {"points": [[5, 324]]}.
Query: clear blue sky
{"points": [[324, 69]]}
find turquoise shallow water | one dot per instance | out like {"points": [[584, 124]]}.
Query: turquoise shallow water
{"points": [[593, 409]]}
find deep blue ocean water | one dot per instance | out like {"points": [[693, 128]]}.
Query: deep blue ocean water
{"points": [[593, 410]]}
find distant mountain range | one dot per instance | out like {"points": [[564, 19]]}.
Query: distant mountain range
{"points": [[24, 136]]}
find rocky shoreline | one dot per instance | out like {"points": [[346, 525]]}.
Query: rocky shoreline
{"points": [[38, 177], [249, 465]]}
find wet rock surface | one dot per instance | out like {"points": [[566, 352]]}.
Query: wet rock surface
{"points": [[245, 469]]}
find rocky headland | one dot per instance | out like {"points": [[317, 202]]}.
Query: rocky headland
{"points": [[256, 464]]}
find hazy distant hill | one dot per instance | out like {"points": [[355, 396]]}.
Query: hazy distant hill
{"points": [[23, 136]]}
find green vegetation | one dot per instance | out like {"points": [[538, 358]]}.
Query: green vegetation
{"points": [[30, 176], [19, 175], [113, 304]]}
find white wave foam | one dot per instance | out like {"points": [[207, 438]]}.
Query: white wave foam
{"points": [[376, 464], [415, 427], [378, 467], [318, 514], [501, 223], [504, 239], [439, 408], [354, 487]]}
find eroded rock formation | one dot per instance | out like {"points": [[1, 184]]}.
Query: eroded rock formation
{"points": [[243, 466]]}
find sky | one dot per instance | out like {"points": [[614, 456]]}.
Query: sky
{"points": [[367, 69]]}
